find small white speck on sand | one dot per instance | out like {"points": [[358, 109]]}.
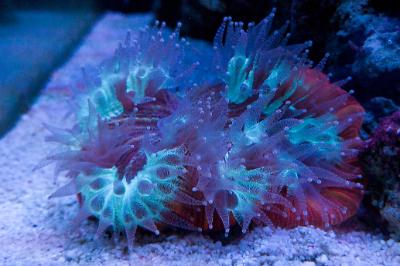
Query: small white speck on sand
{"points": [[33, 228]]}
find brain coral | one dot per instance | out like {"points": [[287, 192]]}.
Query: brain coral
{"points": [[251, 133]]}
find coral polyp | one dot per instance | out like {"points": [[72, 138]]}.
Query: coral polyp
{"points": [[141, 200], [255, 135]]}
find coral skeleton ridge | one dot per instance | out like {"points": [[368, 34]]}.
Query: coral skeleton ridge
{"points": [[252, 133]]}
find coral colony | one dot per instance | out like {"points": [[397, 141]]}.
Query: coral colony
{"points": [[253, 135]]}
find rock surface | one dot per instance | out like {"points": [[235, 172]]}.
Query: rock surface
{"points": [[380, 161]]}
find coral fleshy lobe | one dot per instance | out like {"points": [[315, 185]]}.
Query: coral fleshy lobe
{"points": [[263, 137]]}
